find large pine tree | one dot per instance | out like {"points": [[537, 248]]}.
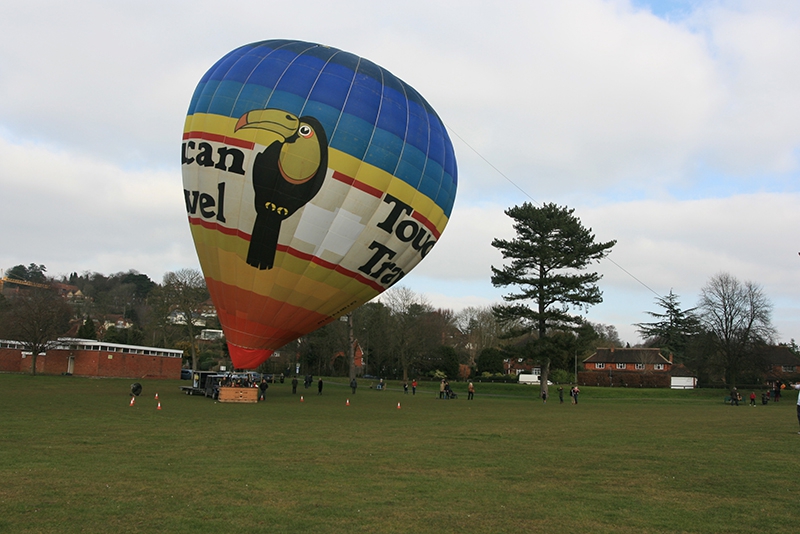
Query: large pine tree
{"points": [[549, 257]]}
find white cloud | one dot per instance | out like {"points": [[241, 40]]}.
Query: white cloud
{"points": [[679, 137], [74, 213]]}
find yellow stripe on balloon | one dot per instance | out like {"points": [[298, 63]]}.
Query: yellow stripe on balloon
{"points": [[298, 282]]}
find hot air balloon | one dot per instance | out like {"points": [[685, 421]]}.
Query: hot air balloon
{"points": [[313, 180]]}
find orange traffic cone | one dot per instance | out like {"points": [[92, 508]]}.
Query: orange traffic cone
{"points": [[159, 406], [301, 398], [347, 403], [398, 405], [133, 399], [156, 396]]}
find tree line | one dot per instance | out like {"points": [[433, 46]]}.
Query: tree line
{"points": [[401, 335]]}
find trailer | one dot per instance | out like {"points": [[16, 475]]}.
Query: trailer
{"points": [[204, 383]]}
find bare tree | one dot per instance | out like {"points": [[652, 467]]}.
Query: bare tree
{"points": [[36, 318], [407, 336], [185, 291], [738, 315], [480, 328]]}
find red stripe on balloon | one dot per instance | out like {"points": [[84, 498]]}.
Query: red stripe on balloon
{"points": [[426, 223], [332, 266], [217, 138], [374, 191], [211, 225]]}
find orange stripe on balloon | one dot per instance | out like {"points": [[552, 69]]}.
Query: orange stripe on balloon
{"points": [[277, 324]]}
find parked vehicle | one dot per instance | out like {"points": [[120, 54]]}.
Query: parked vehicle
{"points": [[526, 378]]}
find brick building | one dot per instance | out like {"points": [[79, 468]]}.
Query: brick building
{"points": [[637, 367], [781, 363], [81, 357]]}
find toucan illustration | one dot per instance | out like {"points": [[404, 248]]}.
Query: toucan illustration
{"points": [[286, 175]]}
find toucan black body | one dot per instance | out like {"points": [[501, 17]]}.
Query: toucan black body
{"points": [[286, 176]]}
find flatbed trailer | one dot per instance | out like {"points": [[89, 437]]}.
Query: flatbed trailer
{"points": [[204, 383]]}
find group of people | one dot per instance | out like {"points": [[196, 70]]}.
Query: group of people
{"points": [[236, 381], [413, 387], [773, 395], [445, 392]]}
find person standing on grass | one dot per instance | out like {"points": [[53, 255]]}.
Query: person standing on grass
{"points": [[544, 397], [414, 387], [441, 389], [575, 392], [470, 391], [753, 399], [405, 388], [294, 384], [797, 386], [353, 385], [319, 386], [734, 397], [263, 387], [561, 394]]}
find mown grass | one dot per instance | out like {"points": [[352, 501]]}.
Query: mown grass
{"points": [[75, 457]]}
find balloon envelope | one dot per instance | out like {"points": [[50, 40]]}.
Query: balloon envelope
{"points": [[313, 181]]}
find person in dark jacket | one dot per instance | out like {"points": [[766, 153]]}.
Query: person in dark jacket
{"points": [[263, 386], [353, 385], [319, 387], [294, 384]]}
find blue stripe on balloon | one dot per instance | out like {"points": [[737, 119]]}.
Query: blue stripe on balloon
{"points": [[251, 97], [333, 86], [366, 111], [352, 136], [384, 151]]}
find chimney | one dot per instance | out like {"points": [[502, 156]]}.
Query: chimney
{"points": [[670, 357]]}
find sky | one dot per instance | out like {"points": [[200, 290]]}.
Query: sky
{"points": [[671, 127]]}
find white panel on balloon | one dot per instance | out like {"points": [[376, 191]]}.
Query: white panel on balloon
{"points": [[334, 231]]}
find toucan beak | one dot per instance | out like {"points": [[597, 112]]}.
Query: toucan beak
{"points": [[273, 120]]}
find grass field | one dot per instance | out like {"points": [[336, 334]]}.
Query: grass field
{"points": [[76, 457]]}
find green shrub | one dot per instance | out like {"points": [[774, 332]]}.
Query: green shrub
{"points": [[560, 376]]}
